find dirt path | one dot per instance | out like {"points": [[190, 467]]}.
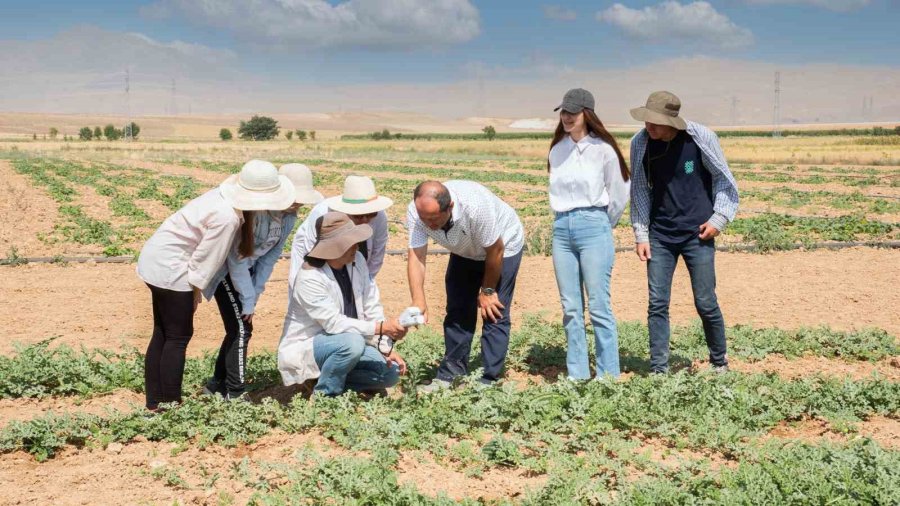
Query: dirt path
{"points": [[28, 213], [107, 306]]}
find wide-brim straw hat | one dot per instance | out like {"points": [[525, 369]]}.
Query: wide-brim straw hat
{"points": [[302, 178], [338, 234], [662, 109], [258, 187], [359, 197]]}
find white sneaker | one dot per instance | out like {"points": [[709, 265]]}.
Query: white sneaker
{"points": [[435, 385]]}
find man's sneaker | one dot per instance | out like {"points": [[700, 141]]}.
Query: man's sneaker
{"points": [[213, 387], [435, 385], [720, 369], [237, 396]]}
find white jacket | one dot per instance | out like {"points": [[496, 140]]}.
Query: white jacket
{"points": [[190, 247], [316, 307]]}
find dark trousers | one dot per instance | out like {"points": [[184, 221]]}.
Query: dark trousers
{"points": [[231, 363], [463, 283], [173, 326], [699, 256]]}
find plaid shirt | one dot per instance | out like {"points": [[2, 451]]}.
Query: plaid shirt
{"points": [[725, 190]]}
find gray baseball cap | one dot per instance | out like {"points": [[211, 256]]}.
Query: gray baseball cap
{"points": [[575, 100]]}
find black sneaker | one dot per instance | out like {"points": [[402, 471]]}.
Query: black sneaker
{"points": [[214, 387]]}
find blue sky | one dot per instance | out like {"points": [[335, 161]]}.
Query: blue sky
{"points": [[275, 45], [511, 34]]}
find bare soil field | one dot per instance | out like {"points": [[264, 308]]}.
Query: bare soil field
{"points": [[501, 455]]}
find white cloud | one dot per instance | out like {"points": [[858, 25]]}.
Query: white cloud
{"points": [[301, 24], [696, 23], [559, 13], [832, 5], [189, 49], [83, 70]]}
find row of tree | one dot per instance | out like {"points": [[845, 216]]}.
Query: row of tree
{"points": [[489, 133], [264, 128], [110, 132]]}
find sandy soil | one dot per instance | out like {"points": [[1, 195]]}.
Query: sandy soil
{"points": [[31, 210], [106, 305], [883, 430]]}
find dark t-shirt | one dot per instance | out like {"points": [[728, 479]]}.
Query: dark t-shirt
{"points": [[681, 188], [343, 280]]}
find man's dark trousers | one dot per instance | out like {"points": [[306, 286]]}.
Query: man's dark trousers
{"points": [[463, 283]]}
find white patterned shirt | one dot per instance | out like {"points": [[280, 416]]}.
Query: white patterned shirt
{"points": [[587, 174], [479, 219]]}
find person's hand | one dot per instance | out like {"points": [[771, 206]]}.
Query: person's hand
{"points": [[248, 318], [491, 307], [395, 358], [198, 297], [708, 232], [393, 329], [424, 307], [643, 251]]}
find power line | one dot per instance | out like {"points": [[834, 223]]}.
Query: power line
{"points": [[776, 130], [734, 103], [128, 133]]}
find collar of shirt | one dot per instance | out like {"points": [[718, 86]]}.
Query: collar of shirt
{"points": [[454, 213]]}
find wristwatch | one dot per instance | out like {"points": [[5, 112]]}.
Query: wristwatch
{"points": [[488, 291]]}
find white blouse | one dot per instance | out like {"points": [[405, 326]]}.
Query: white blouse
{"points": [[587, 174], [190, 247]]}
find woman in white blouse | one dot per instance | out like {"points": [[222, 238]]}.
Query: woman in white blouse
{"points": [[182, 258], [589, 187]]}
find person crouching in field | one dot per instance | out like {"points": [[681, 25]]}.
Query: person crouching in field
{"points": [[588, 189], [682, 196], [242, 280], [335, 329], [181, 259]]}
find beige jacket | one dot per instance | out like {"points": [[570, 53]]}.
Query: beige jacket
{"points": [[316, 307], [190, 247]]}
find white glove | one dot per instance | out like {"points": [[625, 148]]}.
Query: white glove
{"points": [[412, 317]]}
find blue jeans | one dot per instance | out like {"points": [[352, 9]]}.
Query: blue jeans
{"points": [[583, 256], [699, 256], [345, 361]]}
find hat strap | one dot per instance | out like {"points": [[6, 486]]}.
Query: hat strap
{"points": [[357, 201], [268, 189]]}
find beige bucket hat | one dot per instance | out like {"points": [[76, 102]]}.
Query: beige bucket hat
{"points": [[359, 197], [302, 178], [338, 234], [258, 187], [662, 109]]}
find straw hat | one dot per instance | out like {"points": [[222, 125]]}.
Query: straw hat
{"points": [[258, 187], [662, 109], [302, 178], [359, 197], [338, 234]]}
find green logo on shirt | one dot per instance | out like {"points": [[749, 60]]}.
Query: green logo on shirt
{"points": [[689, 167]]}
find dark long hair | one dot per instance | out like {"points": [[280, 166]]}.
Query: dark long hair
{"points": [[245, 249], [313, 261], [595, 128]]}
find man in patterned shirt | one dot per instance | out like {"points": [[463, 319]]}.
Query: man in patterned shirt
{"points": [[485, 239], [682, 196]]}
